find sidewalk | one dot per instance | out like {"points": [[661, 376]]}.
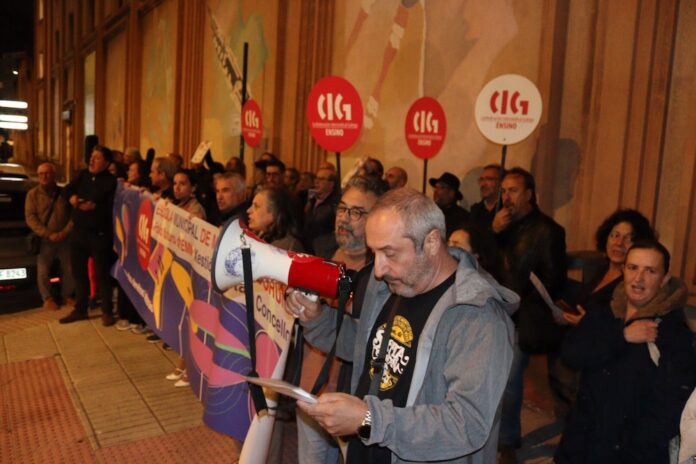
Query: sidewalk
{"points": [[83, 393]]}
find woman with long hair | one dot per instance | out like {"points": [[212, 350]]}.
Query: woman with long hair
{"points": [[271, 218]]}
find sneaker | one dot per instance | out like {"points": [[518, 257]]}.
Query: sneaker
{"points": [[176, 374], [123, 324], [108, 320], [138, 329], [166, 347], [73, 317], [50, 304], [182, 382], [154, 338]]}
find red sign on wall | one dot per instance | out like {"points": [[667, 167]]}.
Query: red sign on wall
{"points": [[252, 123], [426, 127], [334, 113]]}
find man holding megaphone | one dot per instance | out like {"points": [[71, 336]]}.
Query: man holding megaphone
{"points": [[431, 351]]}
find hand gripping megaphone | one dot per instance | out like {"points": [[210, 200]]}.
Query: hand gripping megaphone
{"points": [[298, 270]]}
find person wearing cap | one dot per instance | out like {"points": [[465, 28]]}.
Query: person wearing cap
{"points": [[446, 195]]}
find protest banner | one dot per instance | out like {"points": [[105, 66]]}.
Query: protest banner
{"points": [[164, 268]]}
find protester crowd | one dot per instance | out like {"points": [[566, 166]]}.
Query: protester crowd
{"points": [[459, 323]]}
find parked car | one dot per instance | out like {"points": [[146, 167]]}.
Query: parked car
{"points": [[17, 267]]}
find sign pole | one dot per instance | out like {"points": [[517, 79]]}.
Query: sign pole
{"points": [[338, 168], [500, 188], [244, 95], [425, 174]]}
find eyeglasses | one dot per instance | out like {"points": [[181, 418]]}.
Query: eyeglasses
{"points": [[354, 213]]}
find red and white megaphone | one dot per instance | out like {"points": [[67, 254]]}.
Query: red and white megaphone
{"points": [[299, 270]]}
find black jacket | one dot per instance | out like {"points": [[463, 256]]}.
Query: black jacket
{"points": [[535, 243], [319, 220], [627, 408], [99, 188]]}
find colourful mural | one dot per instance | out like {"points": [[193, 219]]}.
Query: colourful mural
{"points": [[396, 51], [228, 27]]}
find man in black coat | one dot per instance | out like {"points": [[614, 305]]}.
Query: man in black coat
{"points": [[529, 241], [91, 195]]}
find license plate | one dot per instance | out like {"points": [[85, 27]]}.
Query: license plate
{"points": [[13, 274]]}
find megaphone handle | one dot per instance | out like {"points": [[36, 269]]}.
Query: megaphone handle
{"points": [[344, 291], [256, 391]]}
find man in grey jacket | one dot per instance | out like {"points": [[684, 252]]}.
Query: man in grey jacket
{"points": [[441, 376], [48, 215]]}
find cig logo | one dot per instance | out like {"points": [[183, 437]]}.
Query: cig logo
{"points": [[423, 122], [251, 119], [144, 228], [331, 107], [500, 102]]}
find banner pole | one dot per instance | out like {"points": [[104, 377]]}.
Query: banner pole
{"points": [[425, 174], [244, 96]]}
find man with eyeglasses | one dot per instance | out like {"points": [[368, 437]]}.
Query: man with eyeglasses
{"points": [[348, 247], [482, 213], [320, 211], [47, 213]]}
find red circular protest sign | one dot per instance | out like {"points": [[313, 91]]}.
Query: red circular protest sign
{"points": [[334, 113], [252, 123], [142, 233], [426, 127]]}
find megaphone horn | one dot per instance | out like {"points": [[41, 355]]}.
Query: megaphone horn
{"points": [[294, 269]]}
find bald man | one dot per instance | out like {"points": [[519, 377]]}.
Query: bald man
{"points": [[396, 177]]}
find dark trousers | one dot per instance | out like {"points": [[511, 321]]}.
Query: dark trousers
{"points": [[125, 308], [83, 245]]}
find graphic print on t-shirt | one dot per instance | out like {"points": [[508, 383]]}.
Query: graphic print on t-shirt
{"points": [[398, 354]]}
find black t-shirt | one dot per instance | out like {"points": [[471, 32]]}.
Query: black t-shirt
{"points": [[410, 315]]}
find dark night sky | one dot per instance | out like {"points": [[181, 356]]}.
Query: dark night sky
{"points": [[16, 22]]}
